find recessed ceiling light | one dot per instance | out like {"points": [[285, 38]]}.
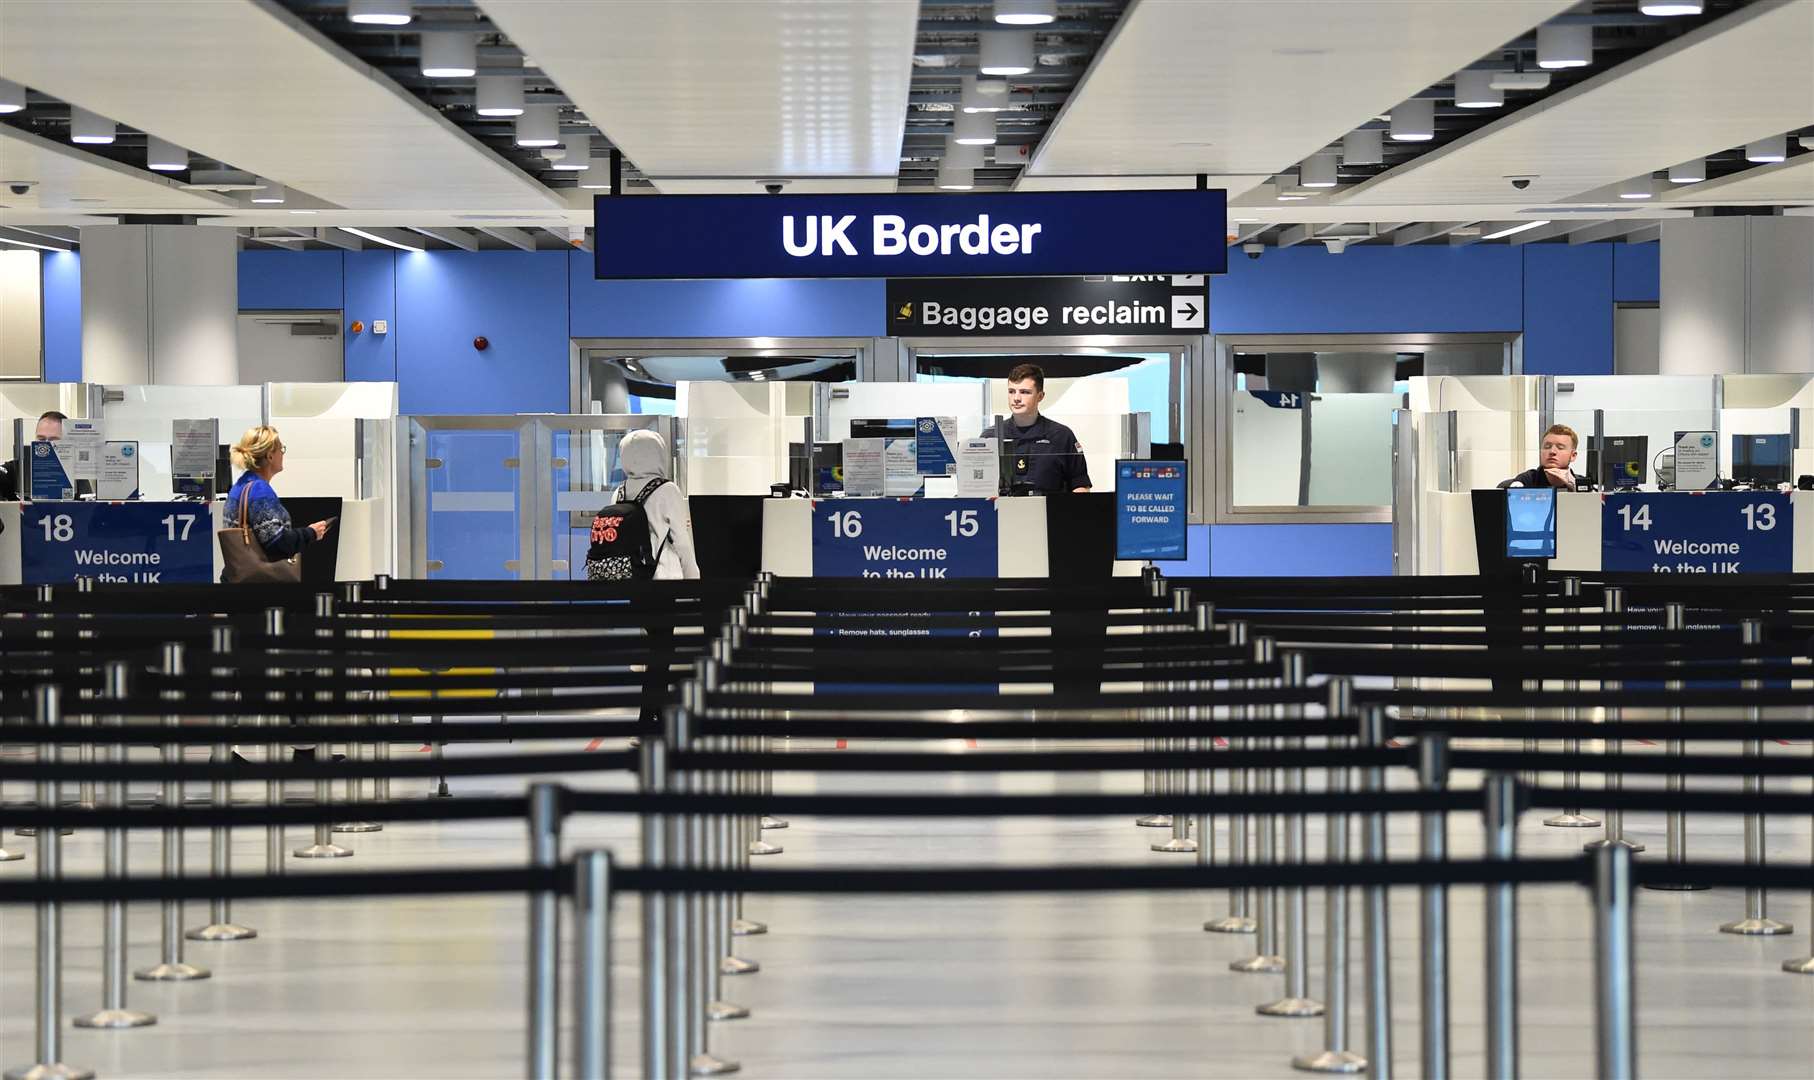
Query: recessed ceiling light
{"points": [[1006, 52], [1474, 90], [1688, 172], [973, 129], [578, 156], [1414, 120], [22, 243], [1763, 151], [90, 127], [1026, 12], [162, 155], [499, 95], [1671, 7], [1318, 171], [1565, 45], [12, 97], [380, 12], [271, 194], [449, 54], [540, 125], [1638, 188], [1363, 147]]}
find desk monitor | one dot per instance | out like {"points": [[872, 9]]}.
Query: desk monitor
{"points": [[1623, 462], [1762, 460], [1530, 523]]}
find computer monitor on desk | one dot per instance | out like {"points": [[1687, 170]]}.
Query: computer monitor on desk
{"points": [[1622, 462], [1762, 461], [1530, 523]]}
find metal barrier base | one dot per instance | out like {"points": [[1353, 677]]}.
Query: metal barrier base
{"points": [[1154, 821], [737, 965], [1631, 845], [1757, 927], [711, 1065], [358, 827], [763, 847], [1331, 1061], [724, 1010], [1804, 966], [322, 851], [1290, 1007], [113, 1019], [1572, 821], [747, 927], [221, 932], [1232, 924], [10, 856], [178, 972], [1671, 886], [54, 1071], [1177, 845], [772, 823], [1259, 965]]}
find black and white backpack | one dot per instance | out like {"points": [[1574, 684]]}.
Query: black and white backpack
{"points": [[620, 548]]}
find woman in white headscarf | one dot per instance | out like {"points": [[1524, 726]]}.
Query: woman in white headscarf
{"points": [[644, 457]]}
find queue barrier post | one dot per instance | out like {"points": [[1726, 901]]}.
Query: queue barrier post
{"points": [[1615, 977], [592, 900], [172, 967], [1804, 965], [1238, 920], [1378, 912], [1571, 816], [1335, 1057], [546, 807], [1612, 602], [274, 832], [1675, 849], [324, 846], [658, 1056], [1501, 792], [1433, 907], [113, 1013], [1756, 921], [1266, 959], [719, 854], [1175, 781], [221, 926], [47, 703], [1294, 672]]}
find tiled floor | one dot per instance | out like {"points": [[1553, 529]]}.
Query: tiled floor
{"points": [[1111, 985]]}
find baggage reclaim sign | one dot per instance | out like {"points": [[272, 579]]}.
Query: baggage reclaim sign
{"points": [[1042, 234], [1159, 304]]}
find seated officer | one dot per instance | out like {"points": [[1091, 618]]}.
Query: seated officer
{"points": [[1042, 455], [50, 429], [1555, 456]]}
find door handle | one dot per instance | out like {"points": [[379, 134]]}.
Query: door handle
{"points": [[558, 564], [433, 463], [435, 564], [559, 463]]}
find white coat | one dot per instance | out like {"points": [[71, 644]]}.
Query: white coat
{"points": [[644, 456]]}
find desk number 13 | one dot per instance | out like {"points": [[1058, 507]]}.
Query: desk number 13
{"points": [[1760, 517]]}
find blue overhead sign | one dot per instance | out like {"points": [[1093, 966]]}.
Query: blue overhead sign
{"points": [[1037, 234], [1152, 510], [1713, 532]]}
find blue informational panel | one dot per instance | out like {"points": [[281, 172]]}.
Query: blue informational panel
{"points": [[1036, 234], [905, 538], [1713, 532], [1152, 510], [133, 543]]}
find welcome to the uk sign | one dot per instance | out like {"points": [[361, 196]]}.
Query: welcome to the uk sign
{"points": [[1037, 234]]}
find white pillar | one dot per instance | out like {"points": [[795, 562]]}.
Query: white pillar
{"points": [[160, 305], [1736, 295]]}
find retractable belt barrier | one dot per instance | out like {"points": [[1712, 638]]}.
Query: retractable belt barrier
{"points": [[1248, 705]]}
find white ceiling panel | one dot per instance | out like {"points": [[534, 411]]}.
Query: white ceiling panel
{"points": [[802, 185], [706, 88], [1789, 181], [1743, 77], [66, 180], [248, 83], [1250, 89]]}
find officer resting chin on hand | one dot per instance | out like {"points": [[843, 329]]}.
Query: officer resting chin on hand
{"points": [[1042, 455]]}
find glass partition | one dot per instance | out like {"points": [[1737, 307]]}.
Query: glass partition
{"points": [[144, 413]]}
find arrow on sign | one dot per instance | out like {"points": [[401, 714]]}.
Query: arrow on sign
{"points": [[1190, 310]]}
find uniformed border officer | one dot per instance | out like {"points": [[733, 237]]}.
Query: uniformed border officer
{"points": [[1042, 455]]}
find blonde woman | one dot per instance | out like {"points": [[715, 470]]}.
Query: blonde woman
{"points": [[259, 453]]}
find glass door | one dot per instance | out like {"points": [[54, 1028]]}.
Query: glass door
{"points": [[467, 504], [578, 463]]}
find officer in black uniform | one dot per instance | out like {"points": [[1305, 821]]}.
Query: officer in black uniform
{"points": [[1040, 456]]}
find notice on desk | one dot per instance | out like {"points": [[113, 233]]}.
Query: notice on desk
{"points": [[1152, 510], [193, 445], [901, 467], [935, 445], [978, 469], [119, 476], [1697, 465], [50, 480], [80, 449], [863, 469]]}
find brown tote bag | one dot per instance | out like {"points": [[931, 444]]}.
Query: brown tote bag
{"points": [[247, 562]]}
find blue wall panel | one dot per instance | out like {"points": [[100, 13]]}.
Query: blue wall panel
{"points": [[1567, 308], [1369, 290], [1637, 273], [512, 298], [60, 288], [760, 308], [1300, 550], [289, 280], [370, 295]]}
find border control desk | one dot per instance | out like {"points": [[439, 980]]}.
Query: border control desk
{"points": [[1669, 532], [1060, 538]]}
